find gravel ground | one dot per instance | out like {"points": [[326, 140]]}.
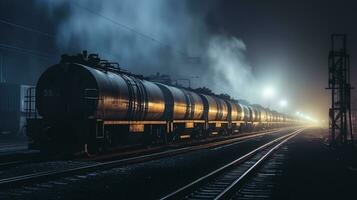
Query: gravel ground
{"points": [[12, 144], [149, 180], [315, 171], [29, 168], [305, 168]]}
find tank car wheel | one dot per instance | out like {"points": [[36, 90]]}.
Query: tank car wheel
{"points": [[195, 135], [224, 132], [230, 131], [174, 137]]}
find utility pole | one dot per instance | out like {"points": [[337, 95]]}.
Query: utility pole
{"points": [[340, 123]]}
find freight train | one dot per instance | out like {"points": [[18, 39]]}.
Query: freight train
{"points": [[88, 104]]}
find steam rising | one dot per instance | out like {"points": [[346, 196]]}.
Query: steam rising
{"points": [[156, 36], [228, 68]]}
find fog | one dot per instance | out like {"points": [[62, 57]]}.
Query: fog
{"points": [[170, 37]]}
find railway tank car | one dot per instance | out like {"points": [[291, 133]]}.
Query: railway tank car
{"points": [[88, 104]]}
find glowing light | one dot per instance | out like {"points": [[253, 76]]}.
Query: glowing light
{"points": [[283, 103], [268, 92], [307, 118]]}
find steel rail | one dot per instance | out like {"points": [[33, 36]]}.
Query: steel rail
{"points": [[231, 188], [188, 189], [32, 177]]}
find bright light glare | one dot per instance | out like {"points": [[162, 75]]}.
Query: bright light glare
{"points": [[306, 117], [283, 103], [268, 92]]}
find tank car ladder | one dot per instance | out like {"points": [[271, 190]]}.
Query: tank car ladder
{"points": [[91, 94]]}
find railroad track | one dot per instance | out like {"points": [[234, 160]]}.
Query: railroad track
{"points": [[16, 159], [224, 182], [4, 165], [8, 145], [52, 174], [214, 140], [12, 147], [14, 154], [12, 159]]}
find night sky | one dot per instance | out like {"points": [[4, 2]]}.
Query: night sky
{"points": [[287, 42]]}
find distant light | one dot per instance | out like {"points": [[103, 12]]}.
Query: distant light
{"points": [[307, 118], [283, 103], [268, 92]]}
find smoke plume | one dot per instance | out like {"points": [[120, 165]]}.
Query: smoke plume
{"points": [[170, 37]]}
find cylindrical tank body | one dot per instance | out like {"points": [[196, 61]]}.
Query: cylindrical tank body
{"points": [[222, 109], [74, 90], [146, 99], [176, 102], [235, 111], [60, 92], [195, 105], [281, 117], [275, 116], [269, 116], [284, 117], [240, 112], [246, 113], [263, 114], [256, 111], [216, 109], [252, 114], [181, 104]]}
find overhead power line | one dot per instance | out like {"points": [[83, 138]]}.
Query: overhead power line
{"points": [[27, 51], [27, 28], [124, 26]]}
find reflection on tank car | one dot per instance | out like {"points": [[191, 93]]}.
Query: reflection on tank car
{"points": [[181, 104], [90, 104], [74, 90], [216, 109]]}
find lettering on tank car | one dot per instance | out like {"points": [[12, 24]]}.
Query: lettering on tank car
{"points": [[50, 93], [136, 128]]}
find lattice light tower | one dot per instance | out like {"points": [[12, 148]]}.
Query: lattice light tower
{"points": [[354, 115], [339, 84]]}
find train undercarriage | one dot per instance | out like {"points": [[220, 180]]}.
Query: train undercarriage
{"points": [[92, 136]]}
